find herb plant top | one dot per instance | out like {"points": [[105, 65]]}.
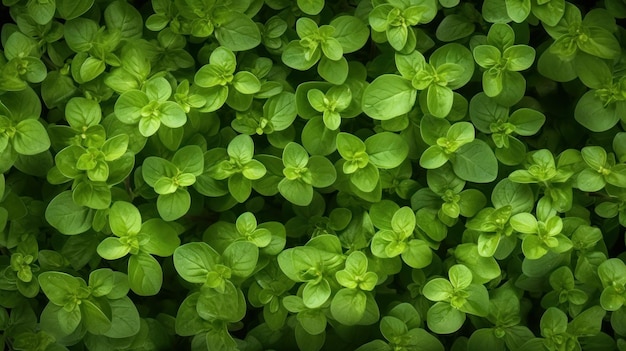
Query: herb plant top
{"points": [[314, 175]]}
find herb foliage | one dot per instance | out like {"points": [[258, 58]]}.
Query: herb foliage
{"points": [[368, 175]]}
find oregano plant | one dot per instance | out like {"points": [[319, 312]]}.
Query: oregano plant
{"points": [[370, 175]]}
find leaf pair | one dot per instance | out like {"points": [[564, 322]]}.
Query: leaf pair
{"points": [[150, 107], [237, 164], [363, 159], [449, 67], [540, 236], [170, 180], [396, 237], [396, 21], [315, 265], [453, 299], [303, 172], [141, 240], [350, 303], [492, 118], [502, 60], [219, 298], [100, 308], [325, 44], [20, 130], [223, 85], [471, 158]]}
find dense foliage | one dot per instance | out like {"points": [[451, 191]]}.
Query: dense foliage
{"points": [[375, 175]]}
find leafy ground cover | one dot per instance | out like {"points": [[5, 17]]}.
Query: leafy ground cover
{"points": [[375, 175]]}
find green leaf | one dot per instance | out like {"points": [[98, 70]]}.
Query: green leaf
{"points": [[487, 56], [524, 223], [593, 71], [483, 269], [519, 57], [293, 262], [519, 196], [315, 294], [246, 83], [158, 89], [485, 339], [527, 121], [90, 69], [454, 27], [124, 18], [500, 35], [63, 322], [189, 159], [67, 217], [611, 271], [386, 150], [477, 301], [442, 318], [144, 275], [590, 180], [193, 261], [129, 105], [552, 66], [588, 322], [175, 205], [553, 321], [95, 319], [403, 221], [124, 219], [239, 187], [549, 12], [125, 320], [112, 248], [439, 100], [163, 238], [298, 57], [58, 286], [281, 110], [323, 173], [333, 71], [350, 32], [392, 327], [600, 43], [594, 115], [533, 247], [438, 289], [311, 7], [115, 147], [460, 276], [294, 155], [155, 168], [348, 306], [241, 148], [518, 10], [70, 9], [388, 96], [433, 157], [241, 257], [417, 254], [475, 162], [366, 179], [296, 191], [81, 112], [236, 31], [171, 115], [457, 57], [229, 306], [349, 145], [30, 137]]}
